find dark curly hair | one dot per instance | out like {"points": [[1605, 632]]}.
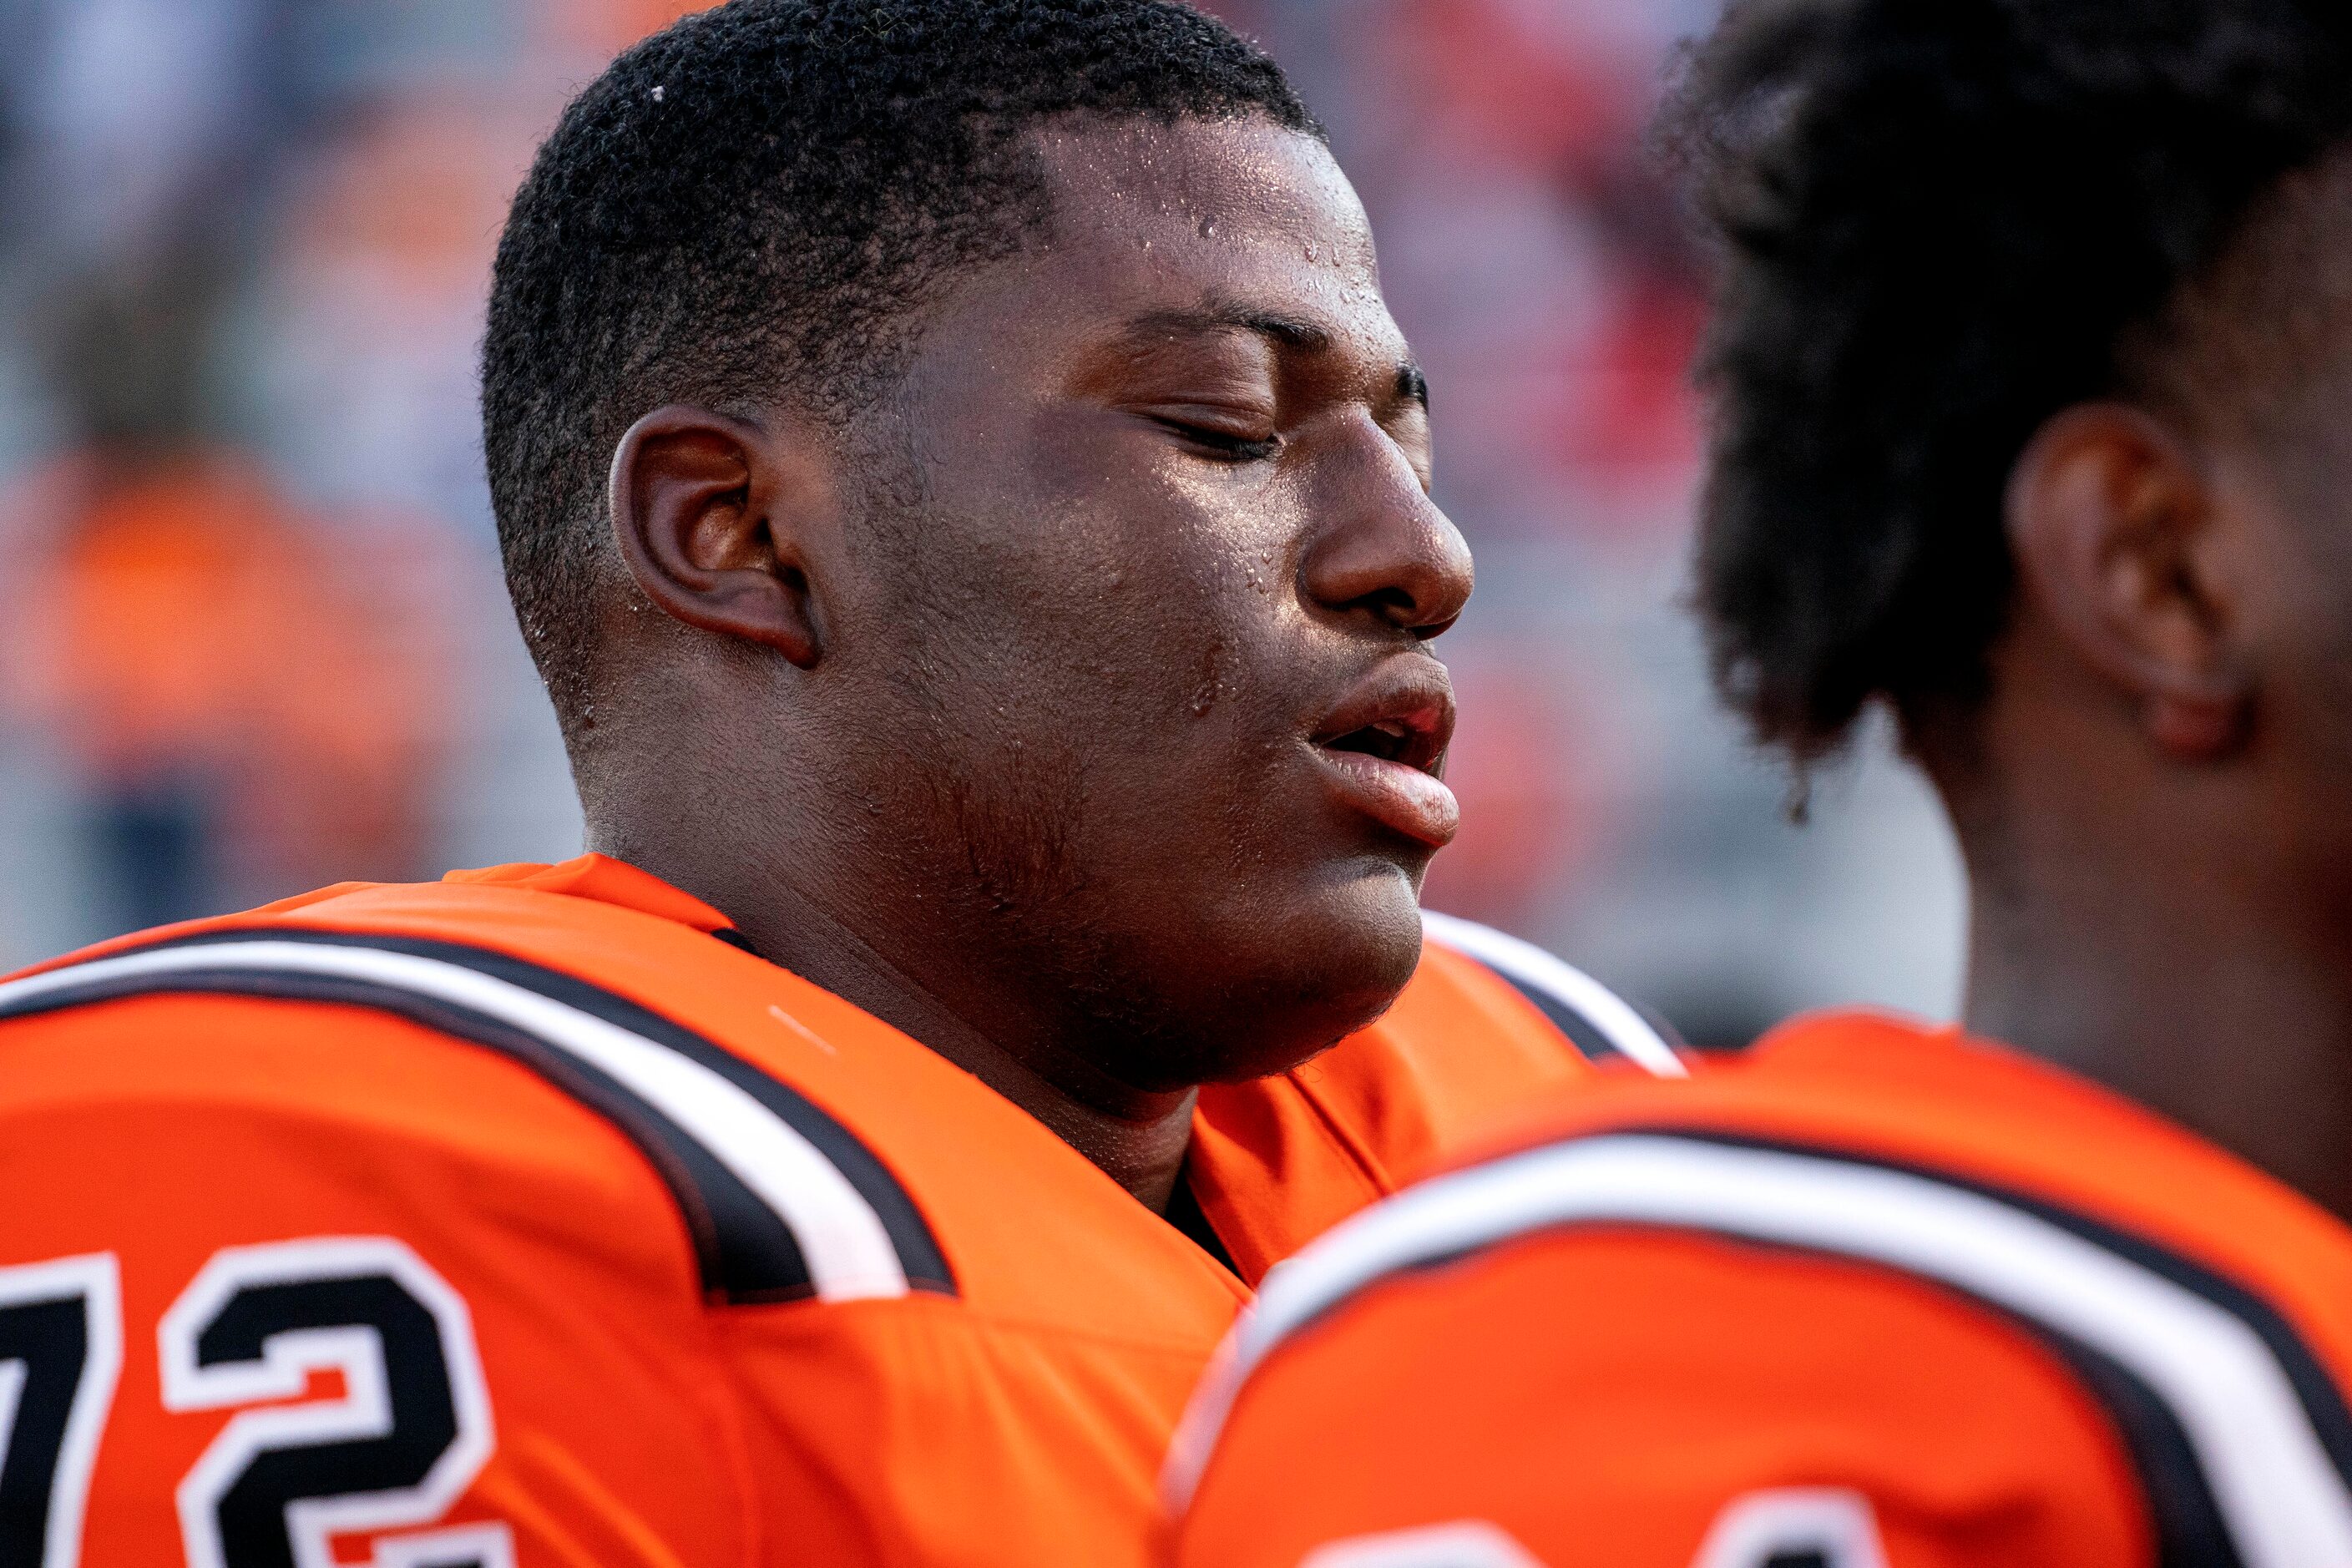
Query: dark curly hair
{"points": [[758, 202], [1940, 222]]}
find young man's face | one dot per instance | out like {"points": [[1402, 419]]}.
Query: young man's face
{"points": [[1144, 646]]}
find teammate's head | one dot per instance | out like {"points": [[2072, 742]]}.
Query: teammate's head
{"points": [[1991, 266], [955, 453]]}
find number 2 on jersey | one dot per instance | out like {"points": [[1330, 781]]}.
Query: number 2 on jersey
{"points": [[410, 1430]]}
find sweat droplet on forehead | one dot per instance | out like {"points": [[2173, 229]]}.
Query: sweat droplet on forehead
{"points": [[1245, 183]]}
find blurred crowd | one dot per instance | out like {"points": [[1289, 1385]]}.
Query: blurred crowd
{"points": [[252, 637]]}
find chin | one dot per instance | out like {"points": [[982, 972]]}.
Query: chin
{"points": [[1316, 973]]}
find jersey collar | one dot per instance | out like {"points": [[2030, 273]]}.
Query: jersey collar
{"points": [[608, 882]]}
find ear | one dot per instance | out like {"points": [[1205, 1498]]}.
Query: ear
{"points": [[711, 516], [2119, 538]]}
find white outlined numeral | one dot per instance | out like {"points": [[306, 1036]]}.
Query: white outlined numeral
{"points": [[409, 1434], [1831, 1525]]}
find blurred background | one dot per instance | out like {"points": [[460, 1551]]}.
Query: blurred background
{"points": [[252, 635]]}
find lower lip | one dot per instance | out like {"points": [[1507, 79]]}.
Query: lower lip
{"points": [[1414, 803]]}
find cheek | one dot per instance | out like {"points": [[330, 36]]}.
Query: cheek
{"points": [[1159, 601], [1131, 608], [1190, 656]]}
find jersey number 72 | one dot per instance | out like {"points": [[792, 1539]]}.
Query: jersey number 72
{"points": [[409, 1432]]}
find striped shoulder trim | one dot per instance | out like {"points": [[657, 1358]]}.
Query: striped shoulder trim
{"points": [[782, 1200], [2242, 1437], [1600, 1023]]}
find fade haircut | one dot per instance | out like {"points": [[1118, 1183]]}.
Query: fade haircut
{"points": [[757, 203], [1939, 223]]}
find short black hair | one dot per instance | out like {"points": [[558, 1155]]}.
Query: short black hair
{"points": [[1939, 223], [757, 202]]}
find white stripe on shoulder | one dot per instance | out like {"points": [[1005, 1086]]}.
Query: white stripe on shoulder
{"points": [[843, 1240], [1611, 1015], [2283, 1499]]}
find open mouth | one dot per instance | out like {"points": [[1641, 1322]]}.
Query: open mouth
{"points": [[1382, 749], [1386, 740], [1414, 740]]}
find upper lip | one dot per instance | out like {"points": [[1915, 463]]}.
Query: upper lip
{"points": [[1404, 710]]}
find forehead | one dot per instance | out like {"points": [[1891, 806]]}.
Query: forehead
{"points": [[1152, 217], [1248, 184]]}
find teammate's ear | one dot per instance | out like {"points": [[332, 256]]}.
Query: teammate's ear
{"points": [[2118, 538], [711, 514]]}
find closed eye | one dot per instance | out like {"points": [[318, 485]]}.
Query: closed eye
{"points": [[1223, 445]]}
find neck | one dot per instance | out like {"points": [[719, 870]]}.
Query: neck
{"points": [[2182, 972], [1138, 1138]]}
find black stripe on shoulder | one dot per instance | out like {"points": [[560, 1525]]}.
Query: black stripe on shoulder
{"points": [[2183, 1514], [745, 1251], [1521, 966], [2185, 1518], [2188, 1519], [2315, 1388], [1581, 1032]]}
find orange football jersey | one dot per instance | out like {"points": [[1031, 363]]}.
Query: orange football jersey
{"points": [[1873, 1296], [524, 1219]]}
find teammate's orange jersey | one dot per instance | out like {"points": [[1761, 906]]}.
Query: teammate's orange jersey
{"points": [[1872, 1297], [522, 1218]]}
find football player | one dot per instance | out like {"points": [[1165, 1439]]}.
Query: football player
{"points": [[2031, 371], [968, 502]]}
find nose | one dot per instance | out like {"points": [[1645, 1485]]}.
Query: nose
{"points": [[1380, 550]]}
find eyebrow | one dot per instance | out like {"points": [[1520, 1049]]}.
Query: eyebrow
{"points": [[1411, 385], [1287, 331]]}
